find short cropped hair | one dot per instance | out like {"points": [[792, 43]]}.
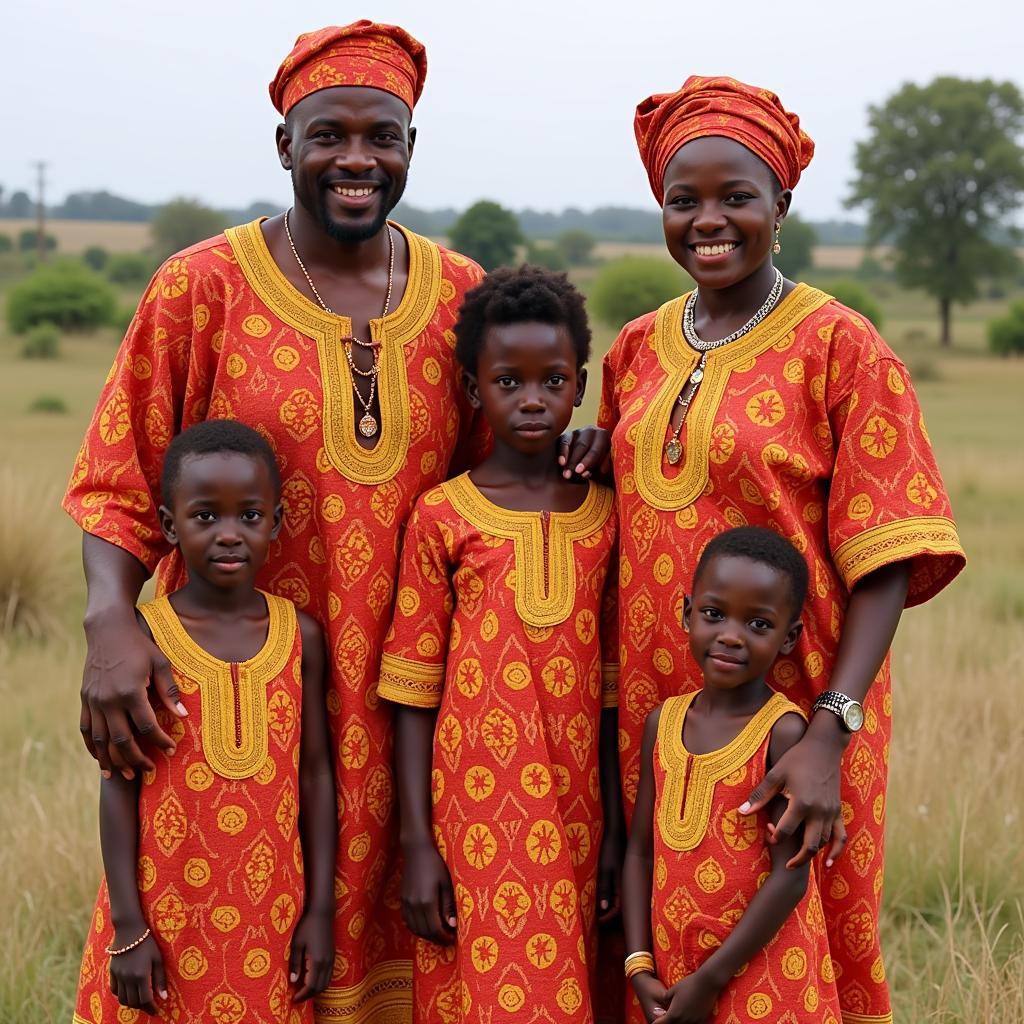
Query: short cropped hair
{"points": [[213, 436], [510, 296], [766, 547]]}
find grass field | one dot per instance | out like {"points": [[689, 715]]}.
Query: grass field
{"points": [[953, 921]]}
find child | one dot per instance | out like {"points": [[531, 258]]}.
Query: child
{"points": [[494, 663], [736, 935], [207, 882]]}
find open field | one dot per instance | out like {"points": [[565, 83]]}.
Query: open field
{"points": [[75, 236], [953, 925]]}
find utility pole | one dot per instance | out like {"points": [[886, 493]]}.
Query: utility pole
{"points": [[40, 210]]}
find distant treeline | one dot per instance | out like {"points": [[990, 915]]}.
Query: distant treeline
{"points": [[608, 223]]}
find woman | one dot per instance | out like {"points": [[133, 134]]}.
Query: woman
{"points": [[757, 400]]}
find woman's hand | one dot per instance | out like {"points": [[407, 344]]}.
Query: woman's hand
{"points": [[428, 900], [691, 1001], [585, 452], [807, 775], [312, 955], [136, 977], [609, 874], [652, 995]]}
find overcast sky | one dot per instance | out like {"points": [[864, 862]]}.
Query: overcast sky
{"points": [[529, 102]]}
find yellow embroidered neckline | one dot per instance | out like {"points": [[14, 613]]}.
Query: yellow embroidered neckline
{"points": [[526, 530], [360, 465], [693, 777], [677, 358], [235, 725]]}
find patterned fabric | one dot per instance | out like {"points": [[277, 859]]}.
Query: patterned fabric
{"points": [[709, 861], [497, 626], [222, 334], [807, 425], [364, 53], [720, 106], [219, 859]]}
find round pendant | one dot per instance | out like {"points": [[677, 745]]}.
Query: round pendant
{"points": [[367, 426], [697, 376], [673, 451]]}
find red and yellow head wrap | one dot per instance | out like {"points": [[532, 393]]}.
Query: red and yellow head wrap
{"points": [[720, 106], [364, 53]]}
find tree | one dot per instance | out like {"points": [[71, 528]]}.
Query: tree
{"points": [[798, 240], [20, 206], [629, 287], [181, 223], [550, 257], [941, 171], [856, 296], [1006, 334], [95, 257], [577, 245], [487, 233], [66, 293]]}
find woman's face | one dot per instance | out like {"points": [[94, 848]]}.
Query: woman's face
{"points": [[721, 207]]}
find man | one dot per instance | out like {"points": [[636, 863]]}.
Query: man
{"points": [[329, 331]]}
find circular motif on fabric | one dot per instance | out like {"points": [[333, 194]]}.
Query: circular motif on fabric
{"points": [[558, 676], [879, 437], [225, 918], [577, 838], [226, 1008], [197, 872], [483, 953], [722, 444], [511, 998], [408, 601], [359, 847], [146, 873], [811, 999], [535, 779], [479, 782], [569, 996], [739, 830], [235, 366], [282, 913], [766, 408], [256, 326], [256, 963], [541, 950], [192, 963], [709, 875], [232, 819], [479, 845], [663, 662], [431, 370], [436, 786], [489, 626], [285, 358], [794, 963], [543, 843], [469, 678], [759, 1005], [354, 748]]}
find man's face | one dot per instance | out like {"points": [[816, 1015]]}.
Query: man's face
{"points": [[348, 150]]}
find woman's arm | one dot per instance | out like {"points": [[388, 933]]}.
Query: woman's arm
{"points": [[809, 772], [613, 839]]}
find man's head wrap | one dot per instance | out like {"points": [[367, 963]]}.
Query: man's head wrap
{"points": [[720, 106], [364, 53]]}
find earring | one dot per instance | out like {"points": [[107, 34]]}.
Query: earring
{"points": [[777, 248]]}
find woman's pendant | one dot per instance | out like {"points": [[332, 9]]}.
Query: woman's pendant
{"points": [[367, 426], [673, 451]]}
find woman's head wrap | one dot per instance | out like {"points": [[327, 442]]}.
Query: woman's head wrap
{"points": [[364, 53], [720, 106]]}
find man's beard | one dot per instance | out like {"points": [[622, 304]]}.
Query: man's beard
{"points": [[348, 234]]}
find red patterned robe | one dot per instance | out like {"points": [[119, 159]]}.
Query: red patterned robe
{"points": [[219, 858], [808, 425], [222, 334], [497, 626], [709, 861]]}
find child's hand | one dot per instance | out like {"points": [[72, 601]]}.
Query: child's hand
{"points": [[312, 955], [652, 995], [136, 975], [428, 900], [691, 1001], [609, 875]]}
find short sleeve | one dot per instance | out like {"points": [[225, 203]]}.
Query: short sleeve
{"points": [[608, 408], [416, 646], [887, 502]]}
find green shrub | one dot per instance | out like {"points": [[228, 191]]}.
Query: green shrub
{"points": [[1006, 333], [856, 296], [67, 294], [52, 405], [95, 257], [549, 257], [27, 241], [6, 245], [42, 342], [122, 319], [131, 268], [629, 287], [577, 245]]}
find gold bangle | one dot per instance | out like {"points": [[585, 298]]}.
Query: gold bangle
{"points": [[131, 945], [640, 962]]}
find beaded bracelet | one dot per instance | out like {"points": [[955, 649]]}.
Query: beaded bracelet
{"points": [[640, 962], [131, 945]]}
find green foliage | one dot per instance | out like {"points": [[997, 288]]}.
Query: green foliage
{"points": [[940, 175], [122, 318], [6, 245], [51, 405], [42, 342], [629, 287], [131, 268], [858, 298], [95, 257], [181, 223], [577, 245], [1006, 334], [487, 233], [65, 293], [550, 257], [798, 240], [27, 241]]}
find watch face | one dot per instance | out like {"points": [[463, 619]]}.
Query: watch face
{"points": [[853, 716]]}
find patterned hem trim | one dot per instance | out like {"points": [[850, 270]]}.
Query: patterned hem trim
{"points": [[863, 1018], [228, 756], [360, 465], [669, 494], [903, 539], [384, 996], [705, 771], [537, 559], [75, 1019], [410, 682]]}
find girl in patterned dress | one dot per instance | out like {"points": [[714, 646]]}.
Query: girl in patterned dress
{"points": [[218, 900], [510, 815], [735, 935]]}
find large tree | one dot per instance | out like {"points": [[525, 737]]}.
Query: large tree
{"points": [[939, 175], [181, 223], [487, 233]]}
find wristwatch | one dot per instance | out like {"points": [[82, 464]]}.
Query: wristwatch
{"points": [[849, 711]]}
